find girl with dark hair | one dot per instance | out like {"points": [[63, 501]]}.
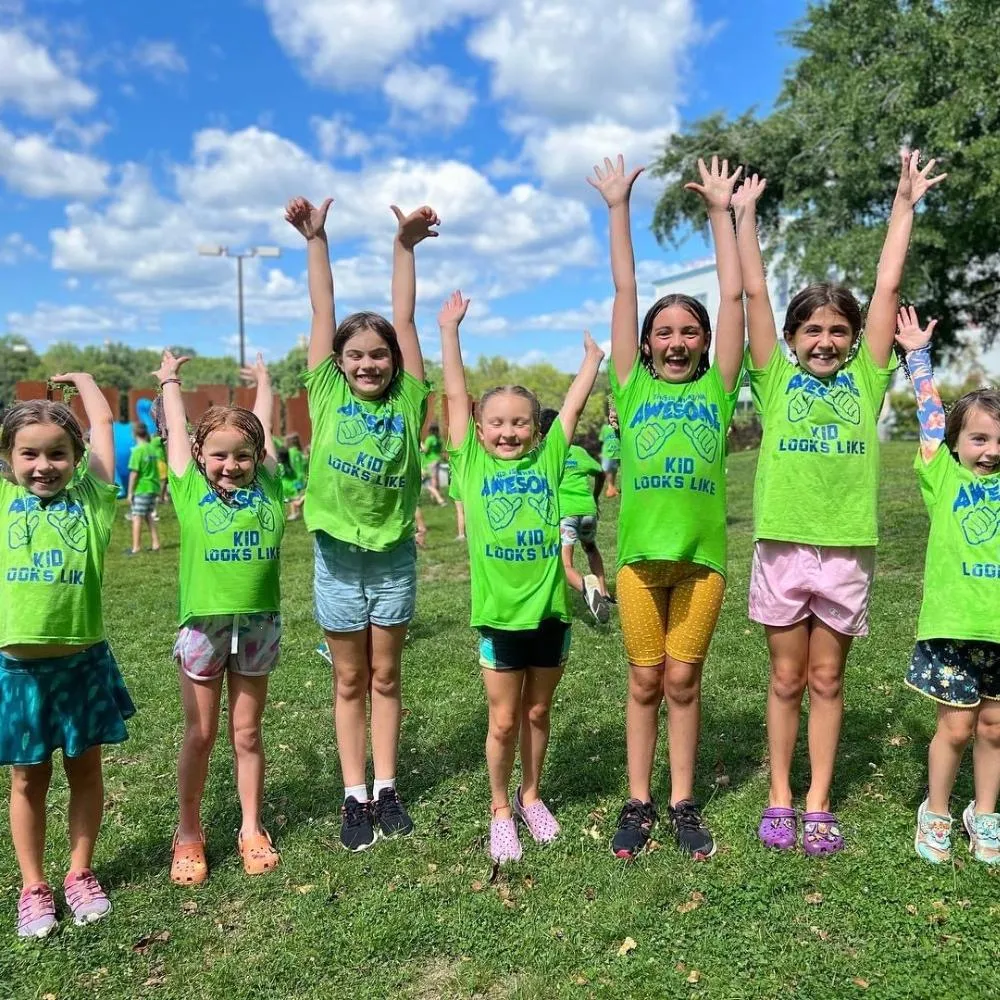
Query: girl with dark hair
{"points": [[60, 687], [956, 661], [674, 410], [508, 473], [228, 501], [813, 564], [367, 402]]}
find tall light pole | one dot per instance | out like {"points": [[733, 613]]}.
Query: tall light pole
{"points": [[217, 251]]}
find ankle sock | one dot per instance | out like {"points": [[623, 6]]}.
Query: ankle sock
{"points": [[360, 792], [380, 784]]}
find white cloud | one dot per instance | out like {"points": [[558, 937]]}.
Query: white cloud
{"points": [[338, 139], [31, 80], [52, 322], [159, 57], [14, 248], [429, 94], [354, 41], [33, 166]]}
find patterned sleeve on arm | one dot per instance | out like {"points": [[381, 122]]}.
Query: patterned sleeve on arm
{"points": [[930, 411]]}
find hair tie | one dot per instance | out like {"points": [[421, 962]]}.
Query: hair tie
{"points": [[167, 381]]}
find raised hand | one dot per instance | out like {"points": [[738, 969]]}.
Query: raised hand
{"points": [[909, 336], [454, 309], [914, 183], [591, 348], [257, 373], [170, 366], [748, 194], [612, 181], [716, 187], [416, 226], [309, 220]]}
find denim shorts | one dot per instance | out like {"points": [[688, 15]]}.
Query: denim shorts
{"points": [[355, 588], [578, 527]]}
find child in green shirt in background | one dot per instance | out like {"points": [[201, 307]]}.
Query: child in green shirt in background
{"points": [[430, 448], [508, 474], [956, 661], [143, 488], [815, 497], [227, 497]]}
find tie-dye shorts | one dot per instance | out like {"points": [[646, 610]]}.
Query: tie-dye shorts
{"points": [[245, 644]]}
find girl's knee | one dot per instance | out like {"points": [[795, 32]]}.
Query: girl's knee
{"points": [[538, 713], [503, 726], [247, 739], [199, 739], [988, 729], [788, 679], [645, 685], [31, 781], [386, 682], [826, 681], [683, 687]]}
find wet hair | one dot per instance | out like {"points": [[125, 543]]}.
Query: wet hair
{"points": [[694, 307], [41, 411], [514, 390], [237, 417], [380, 326], [140, 431], [816, 297], [987, 400], [546, 419]]}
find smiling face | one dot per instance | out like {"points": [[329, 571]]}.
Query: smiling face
{"points": [[42, 459], [978, 445], [822, 344], [366, 362], [229, 459], [676, 343], [506, 424]]}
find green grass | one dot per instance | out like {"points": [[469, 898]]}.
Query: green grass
{"points": [[421, 918]]}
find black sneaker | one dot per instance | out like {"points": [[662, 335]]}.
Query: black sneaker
{"points": [[597, 603], [391, 815], [692, 836], [635, 822], [356, 830]]}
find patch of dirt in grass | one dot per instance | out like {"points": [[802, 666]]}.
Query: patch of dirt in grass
{"points": [[439, 979]]}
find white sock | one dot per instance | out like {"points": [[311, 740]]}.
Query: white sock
{"points": [[360, 792], [380, 784]]}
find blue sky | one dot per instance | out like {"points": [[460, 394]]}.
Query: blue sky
{"points": [[130, 133]]}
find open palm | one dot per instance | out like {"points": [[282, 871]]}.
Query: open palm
{"points": [[612, 181], [748, 193], [915, 182], [453, 311], [716, 187], [909, 335]]}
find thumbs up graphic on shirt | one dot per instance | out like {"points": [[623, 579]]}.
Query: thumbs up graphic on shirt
{"points": [[501, 510], [545, 507], [391, 445], [352, 431], [21, 530], [217, 517], [845, 405], [72, 528], [704, 439], [799, 406], [265, 516], [981, 524], [652, 437]]}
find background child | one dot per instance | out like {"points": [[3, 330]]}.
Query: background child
{"points": [[814, 557], [431, 464], [956, 661], [578, 492], [228, 501], [674, 409], [509, 477], [291, 485], [143, 488], [611, 450], [60, 686], [367, 402]]}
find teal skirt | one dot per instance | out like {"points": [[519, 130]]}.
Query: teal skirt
{"points": [[69, 703]]}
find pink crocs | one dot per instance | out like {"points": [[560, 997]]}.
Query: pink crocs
{"points": [[504, 845], [540, 822]]}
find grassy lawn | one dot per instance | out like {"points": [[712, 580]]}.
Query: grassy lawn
{"points": [[421, 917]]}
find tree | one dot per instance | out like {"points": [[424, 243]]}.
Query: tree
{"points": [[872, 77], [17, 362]]}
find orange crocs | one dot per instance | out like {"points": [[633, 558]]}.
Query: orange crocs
{"points": [[189, 865], [258, 853]]}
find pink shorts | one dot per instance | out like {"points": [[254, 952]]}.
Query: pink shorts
{"points": [[245, 644], [790, 581]]}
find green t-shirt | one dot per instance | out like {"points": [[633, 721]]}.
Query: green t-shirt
{"points": [[576, 491], [230, 555], [512, 521], [432, 448], [673, 481], [611, 448], [159, 447], [297, 462], [820, 445], [364, 467], [52, 562], [962, 567], [289, 485], [143, 460]]}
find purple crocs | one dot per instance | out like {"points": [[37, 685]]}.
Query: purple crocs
{"points": [[821, 834], [504, 845], [540, 822], [778, 828]]}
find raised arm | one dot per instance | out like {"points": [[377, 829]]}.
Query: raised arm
{"points": [[263, 406], [917, 345], [412, 229], [178, 446], [456, 392], [310, 221], [914, 183], [760, 316], [616, 189], [101, 420], [579, 391], [716, 190]]}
